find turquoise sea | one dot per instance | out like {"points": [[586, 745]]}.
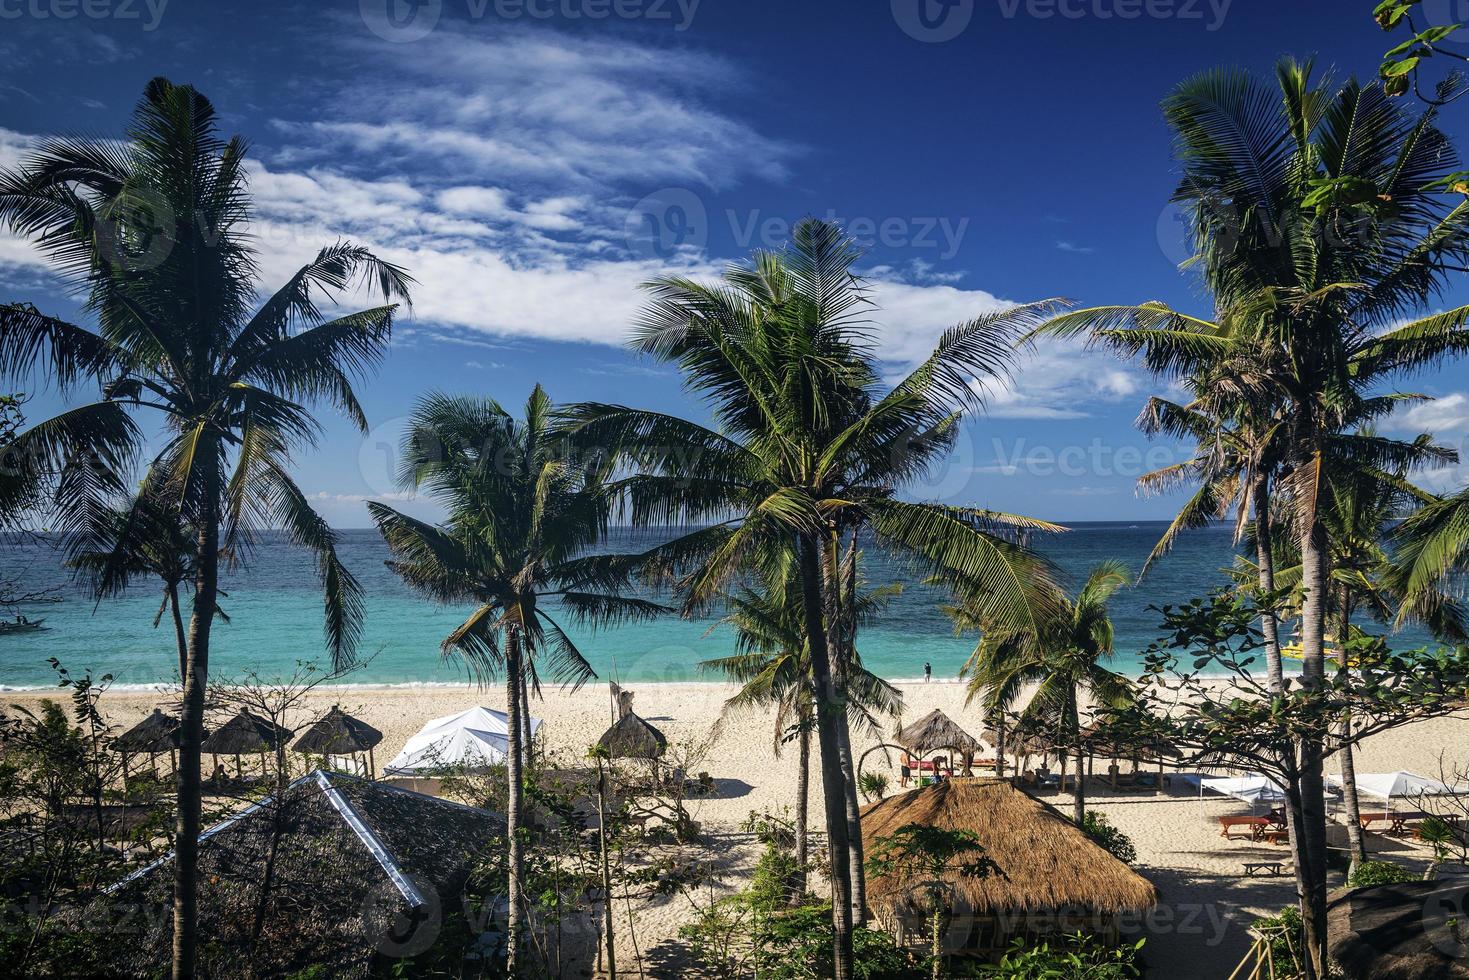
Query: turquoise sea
{"points": [[275, 612]]}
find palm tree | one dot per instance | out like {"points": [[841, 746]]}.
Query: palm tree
{"points": [[1360, 507], [521, 516], [808, 440], [152, 231], [145, 541], [1430, 549], [1064, 656], [773, 665], [1317, 226]]}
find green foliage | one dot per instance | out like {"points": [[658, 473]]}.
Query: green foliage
{"points": [[877, 957], [1073, 957], [1284, 930], [1370, 873], [1111, 840], [874, 785]]}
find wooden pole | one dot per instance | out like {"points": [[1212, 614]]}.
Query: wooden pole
{"points": [[606, 869]]}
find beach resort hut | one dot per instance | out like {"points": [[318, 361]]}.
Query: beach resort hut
{"points": [[630, 737], [339, 736], [936, 732], [155, 735], [1407, 931], [346, 875], [474, 740], [244, 734], [1051, 877], [1099, 742]]}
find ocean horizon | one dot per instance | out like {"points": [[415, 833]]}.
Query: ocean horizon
{"points": [[274, 605]]}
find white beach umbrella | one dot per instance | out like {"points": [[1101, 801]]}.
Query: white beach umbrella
{"points": [[475, 739]]}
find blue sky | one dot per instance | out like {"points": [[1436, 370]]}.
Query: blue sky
{"points": [[531, 161]]}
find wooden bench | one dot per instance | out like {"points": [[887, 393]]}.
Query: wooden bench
{"points": [[1270, 869]]}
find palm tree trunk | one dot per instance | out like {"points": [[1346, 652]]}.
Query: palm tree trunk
{"points": [[1314, 571], [803, 808], [837, 594], [830, 713], [191, 734], [514, 760], [1356, 839], [1078, 793], [1265, 564], [525, 725], [178, 629]]}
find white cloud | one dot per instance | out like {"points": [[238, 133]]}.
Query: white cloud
{"points": [[1441, 416]]}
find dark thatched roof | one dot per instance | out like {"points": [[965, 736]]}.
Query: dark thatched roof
{"points": [[1399, 932], [633, 738], [357, 861], [158, 733], [936, 731], [1045, 862], [338, 734], [245, 734]]}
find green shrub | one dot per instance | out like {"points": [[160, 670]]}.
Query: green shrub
{"points": [[1286, 929], [876, 957], [874, 786], [1111, 840], [1371, 873], [1074, 957]]}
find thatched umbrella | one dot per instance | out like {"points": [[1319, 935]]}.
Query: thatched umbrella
{"points": [[154, 735], [633, 738], [1408, 931], [245, 734], [1099, 741], [1047, 865], [937, 732], [338, 733]]}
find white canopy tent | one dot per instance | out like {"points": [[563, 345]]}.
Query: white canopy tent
{"points": [[1251, 788], [1398, 785], [474, 739]]}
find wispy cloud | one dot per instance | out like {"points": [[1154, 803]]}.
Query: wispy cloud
{"points": [[1065, 246]]}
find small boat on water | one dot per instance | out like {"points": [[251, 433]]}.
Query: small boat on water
{"points": [[26, 626]]}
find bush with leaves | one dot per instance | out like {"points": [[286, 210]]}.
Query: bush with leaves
{"points": [[1073, 957], [1109, 838], [874, 786], [1370, 873]]}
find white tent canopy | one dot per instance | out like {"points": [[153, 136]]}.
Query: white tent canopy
{"points": [[475, 739], [1250, 789], [1398, 785]]}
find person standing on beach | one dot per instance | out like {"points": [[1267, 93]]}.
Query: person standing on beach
{"points": [[927, 672]]}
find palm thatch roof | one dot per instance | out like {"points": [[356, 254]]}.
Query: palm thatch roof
{"points": [[245, 734], [338, 733], [1045, 862], [633, 738], [1100, 741], [1399, 932], [936, 731], [362, 871], [155, 734]]}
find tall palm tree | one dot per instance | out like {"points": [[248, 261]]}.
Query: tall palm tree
{"points": [[151, 230], [1314, 208], [1431, 549], [773, 667], [1065, 656], [1360, 507], [807, 438], [522, 515], [146, 542]]}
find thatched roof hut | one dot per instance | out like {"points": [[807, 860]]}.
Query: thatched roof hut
{"points": [[245, 734], [363, 873], [935, 732], [154, 735], [337, 733], [1399, 932], [1046, 864], [633, 738]]}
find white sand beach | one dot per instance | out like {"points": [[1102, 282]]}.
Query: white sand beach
{"points": [[1198, 931]]}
